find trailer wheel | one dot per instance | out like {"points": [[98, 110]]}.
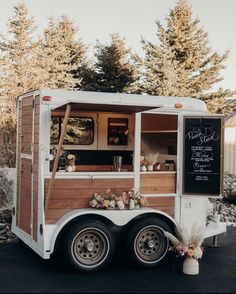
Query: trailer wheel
{"points": [[89, 247], [146, 243]]}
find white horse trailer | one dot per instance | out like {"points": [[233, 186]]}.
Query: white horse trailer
{"points": [[51, 205]]}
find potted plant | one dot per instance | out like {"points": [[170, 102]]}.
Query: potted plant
{"points": [[142, 163], [71, 163], [151, 158], [188, 245]]}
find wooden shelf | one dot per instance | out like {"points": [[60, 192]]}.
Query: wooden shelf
{"points": [[159, 131], [100, 168], [158, 172]]}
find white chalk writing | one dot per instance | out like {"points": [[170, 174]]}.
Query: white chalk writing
{"points": [[203, 135]]}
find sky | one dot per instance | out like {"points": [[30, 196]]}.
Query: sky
{"points": [[133, 20]]}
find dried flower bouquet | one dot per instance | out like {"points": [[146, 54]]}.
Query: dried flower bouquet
{"points": [[185, 244]]}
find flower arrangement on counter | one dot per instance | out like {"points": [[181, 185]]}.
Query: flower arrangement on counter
{"points": [[109, 200], [71, 163], [185, 244], [148, 160]]}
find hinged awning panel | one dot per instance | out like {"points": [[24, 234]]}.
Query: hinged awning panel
{"points": [[90, 107]]}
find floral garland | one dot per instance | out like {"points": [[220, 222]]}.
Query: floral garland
{"points": [[127, 200]]}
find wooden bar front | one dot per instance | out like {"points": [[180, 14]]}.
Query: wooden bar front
{"points": [[70, 194], [153, 183]]}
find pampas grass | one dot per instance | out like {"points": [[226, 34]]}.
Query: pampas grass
{"points": [[151, 157], [185, 243]]}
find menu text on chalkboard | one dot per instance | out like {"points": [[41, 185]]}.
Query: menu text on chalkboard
{"points": [[202, 156]]}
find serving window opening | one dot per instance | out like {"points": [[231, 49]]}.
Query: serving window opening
{"points": [[79, 131]]}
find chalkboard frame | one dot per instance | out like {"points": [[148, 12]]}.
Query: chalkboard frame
{"points": [[184, 177]]}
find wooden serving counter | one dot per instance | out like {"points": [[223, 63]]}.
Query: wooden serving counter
{"points": [[101, 168]]}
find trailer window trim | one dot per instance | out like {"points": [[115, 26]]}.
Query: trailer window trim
{"points": [[60, 121]]}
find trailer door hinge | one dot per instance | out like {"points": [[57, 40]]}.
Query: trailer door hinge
{"points": [[32, 168], [33, 104]]}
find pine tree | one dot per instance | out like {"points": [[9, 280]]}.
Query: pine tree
{"points": [[114, 69], [183, 63], [18, 74], [19, 53], [61, 57]]}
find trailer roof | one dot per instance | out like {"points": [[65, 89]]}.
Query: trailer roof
{"points": [[85, 100]]}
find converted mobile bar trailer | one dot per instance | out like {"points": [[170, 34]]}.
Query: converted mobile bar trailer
{"points": [[51, 205]]}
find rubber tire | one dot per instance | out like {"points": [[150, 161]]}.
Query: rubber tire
{"points": [[71, 237], [136, 229]]}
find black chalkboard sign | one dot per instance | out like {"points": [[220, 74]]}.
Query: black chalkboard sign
{"points": [[202, 156]]}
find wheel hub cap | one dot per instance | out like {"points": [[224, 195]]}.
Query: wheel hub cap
{"points": [[88, 245], [150, 244]]}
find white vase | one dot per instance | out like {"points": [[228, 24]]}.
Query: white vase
{"points": [[71, 168], [143, 168], [190, 266], [150, 167]]}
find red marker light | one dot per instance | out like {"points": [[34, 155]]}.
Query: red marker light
{"points": [[47, 98]]}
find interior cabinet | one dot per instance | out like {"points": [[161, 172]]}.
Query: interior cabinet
{"points": [[113, 123], [159, 123]]}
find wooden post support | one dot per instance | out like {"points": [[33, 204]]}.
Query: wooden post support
{"points": [[57, 157]]}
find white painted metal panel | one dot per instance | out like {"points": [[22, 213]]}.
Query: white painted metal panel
{"points": [[230, 151]]}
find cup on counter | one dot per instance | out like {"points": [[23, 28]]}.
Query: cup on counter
{"points": [[117, 163]]}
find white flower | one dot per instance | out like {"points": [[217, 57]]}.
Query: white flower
{"points": [[121, 205], [98, 197], [71, 157], [112, 204], [131, 204], [93, 203]]}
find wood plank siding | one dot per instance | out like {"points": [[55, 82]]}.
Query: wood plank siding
{"points": [[164, 122], [159, 183], [24, 176], [69, 194], [25, 196], [165, 204], [35, 167], [27, 127], [18, 155], [27, 204]]}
